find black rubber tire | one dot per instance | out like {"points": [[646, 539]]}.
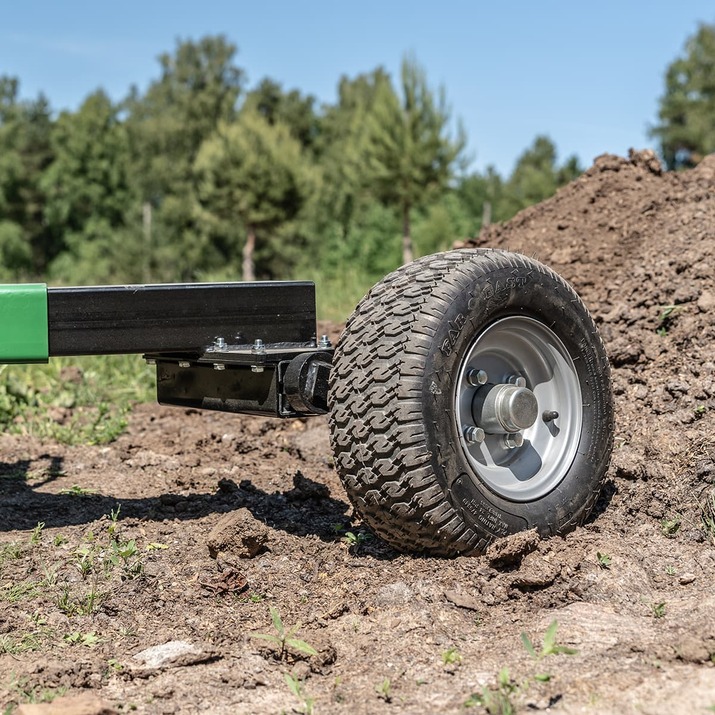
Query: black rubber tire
{"points": [[393, 431]]}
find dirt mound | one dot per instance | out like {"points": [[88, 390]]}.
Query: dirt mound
{"points": [[225, 544], [638, 244]]}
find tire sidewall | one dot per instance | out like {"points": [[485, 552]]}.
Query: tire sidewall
{"points": [[482, 296]]}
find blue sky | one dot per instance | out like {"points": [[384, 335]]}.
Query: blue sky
{"points": [[587, 74]]}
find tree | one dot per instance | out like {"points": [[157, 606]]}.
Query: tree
{"points": [[686, 131], [199, 88], [290, 108], [26, 242], [250, 174], [410, 156], [88, 194], [535, 178]]}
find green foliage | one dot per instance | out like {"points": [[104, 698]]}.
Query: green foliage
{"points": [[604, 560], [285, 638], [670, 527], [686, 130], [549, 647], [296, 687], [82, 401], [451, 656]]}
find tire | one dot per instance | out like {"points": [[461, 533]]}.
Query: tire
{"points": [[407, 407]]}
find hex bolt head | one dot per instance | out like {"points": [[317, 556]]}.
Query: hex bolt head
{"points": [[219, 366], [325, 343], [474, 435], [220, 343], [512, 441], [258, 346], [517, 380], [477, 378]]}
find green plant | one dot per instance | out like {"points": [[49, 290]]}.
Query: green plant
{"points": [[355, 541], [36, 536], [670, 527], [665, 318], [670, 570], [77, 491], [384, 690], [549, 647], [498, 701], [658, 609], [86, 639], [604, 560], [285, 639], [707, 515], [451, 656], [296, 687], [23, 692]]}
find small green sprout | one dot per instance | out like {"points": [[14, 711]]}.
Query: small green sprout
{"points": [[285, 639]]}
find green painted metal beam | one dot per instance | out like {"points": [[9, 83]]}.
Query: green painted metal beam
{"points": [[23, 323]]}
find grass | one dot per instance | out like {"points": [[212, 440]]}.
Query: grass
{"points": [[73, 401]]}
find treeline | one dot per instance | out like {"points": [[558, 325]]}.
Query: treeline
{"points": [[201, 178]]}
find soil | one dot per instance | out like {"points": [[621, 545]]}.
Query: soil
{"points": [[222, 517]]}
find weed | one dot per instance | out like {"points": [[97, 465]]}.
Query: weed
{"points": [[285, 638], [355, 541], [604, 560], [549, 647], [77, 491], [499, 701], [665, 319], [26, 642], [670, 570], [25, 590], [296, 687], [707, 515], [36, 536], [670, 527], [384, 690], [59, 540], [86, 639], [658, 609], [451, 656]]}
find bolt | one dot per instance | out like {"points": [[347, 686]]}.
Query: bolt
{"points": [[474, 435], [184, 363], [219, 343], [550, 415], [258, 346], [219, 366], [256, 368], [477, 378], [512, 441], [517, 380], [325, 343], [150, 361]]}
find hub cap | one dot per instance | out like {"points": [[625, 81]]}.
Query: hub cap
{"points": [[525, 451]]}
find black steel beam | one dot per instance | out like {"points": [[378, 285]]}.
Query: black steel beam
{"points": [[178, 318]]}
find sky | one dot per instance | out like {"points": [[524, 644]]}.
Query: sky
{"points": [[588, 75]]}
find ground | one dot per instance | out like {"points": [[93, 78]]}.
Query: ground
{"points": [[199, 532]]}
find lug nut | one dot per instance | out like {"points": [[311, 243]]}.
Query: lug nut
{"points": [[550, 415], [477, 378], [512, 441], [517, 380], [474, 435]]}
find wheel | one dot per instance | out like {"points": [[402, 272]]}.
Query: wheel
{"points": [[470, 398]]}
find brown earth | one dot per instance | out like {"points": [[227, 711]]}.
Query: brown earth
{"points": [[221, 517]]}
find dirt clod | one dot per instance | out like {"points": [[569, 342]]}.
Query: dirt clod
{"points": [[237, 534]]}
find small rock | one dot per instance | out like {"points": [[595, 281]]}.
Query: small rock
{"points": [[69, 705], [239, 534], [511, 549], [535, 572], [686, 578], [462, 600], [173, 653]]}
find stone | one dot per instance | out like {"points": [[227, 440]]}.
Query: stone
{"points": [[69, 705], [237, 534]]}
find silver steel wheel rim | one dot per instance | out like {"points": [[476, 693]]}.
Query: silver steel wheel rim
{"points": [[512, 347]]}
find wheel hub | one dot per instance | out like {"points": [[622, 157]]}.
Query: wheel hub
{"points": [[504, 409], [518, 408]]}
